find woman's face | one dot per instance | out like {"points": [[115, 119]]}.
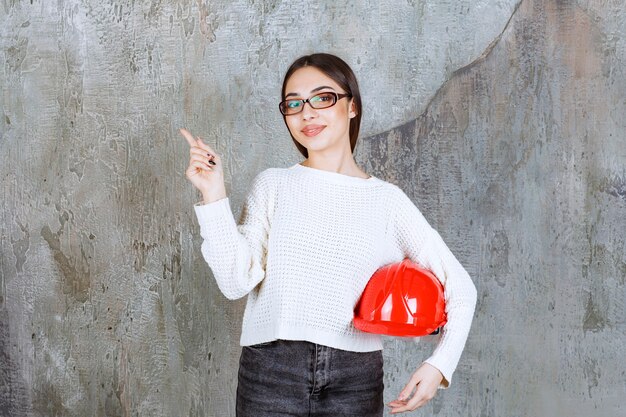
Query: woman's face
{"points": [[318, 129]]}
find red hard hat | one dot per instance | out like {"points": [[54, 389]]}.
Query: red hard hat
{"points": [[401, 299]]}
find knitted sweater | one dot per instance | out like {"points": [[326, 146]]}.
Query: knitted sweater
{"points": [[305, 246]]}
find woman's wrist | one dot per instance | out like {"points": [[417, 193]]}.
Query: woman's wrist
{"points": [[208, 198]]}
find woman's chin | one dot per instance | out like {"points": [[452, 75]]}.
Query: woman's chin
{"points": [[313, 144]]}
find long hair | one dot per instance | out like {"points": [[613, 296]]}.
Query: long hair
{"points": [[340, 72]]}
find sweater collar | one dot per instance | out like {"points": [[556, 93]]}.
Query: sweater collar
{"points": [[333, 176]]}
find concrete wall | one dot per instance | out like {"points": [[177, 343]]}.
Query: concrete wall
{"points": [[504, 122]]}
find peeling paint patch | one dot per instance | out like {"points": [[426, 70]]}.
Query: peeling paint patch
{"points": [[592, 374], [13, 395], [141, 250], [499, 257], [75, 282], [48, 401], [593, 320], [209, 23], [16, 54], [615, 186], [20, 247]]}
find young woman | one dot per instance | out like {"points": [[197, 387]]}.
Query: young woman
{"points": [[309, 238]]}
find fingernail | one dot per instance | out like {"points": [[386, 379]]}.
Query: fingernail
{"points": [[211, 162]]}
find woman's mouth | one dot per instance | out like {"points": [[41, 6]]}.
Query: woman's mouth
{"points": [[312, 130]]}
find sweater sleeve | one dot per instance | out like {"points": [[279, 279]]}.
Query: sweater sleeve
{"points": [[236, 253], [422, 244]]}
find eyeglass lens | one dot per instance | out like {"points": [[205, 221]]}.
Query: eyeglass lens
{"points": [[318, 101]]}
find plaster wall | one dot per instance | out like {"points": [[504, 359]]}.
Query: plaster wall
{"points": [[502, 120]]}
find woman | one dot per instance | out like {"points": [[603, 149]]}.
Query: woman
{"points": [[308, 239]]}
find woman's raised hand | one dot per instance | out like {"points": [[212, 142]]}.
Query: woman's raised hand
{"points": [[205, 169]]}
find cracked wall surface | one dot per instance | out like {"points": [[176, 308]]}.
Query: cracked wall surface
{"points": [[502, 120]]}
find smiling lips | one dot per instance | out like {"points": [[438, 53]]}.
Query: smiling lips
{"points": [[312, 130]]}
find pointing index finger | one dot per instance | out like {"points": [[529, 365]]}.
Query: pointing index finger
{"points": [[190, 140], [204, 146]]}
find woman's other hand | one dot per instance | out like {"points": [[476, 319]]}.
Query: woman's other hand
{"points": [[205, 169], [425, 382]]}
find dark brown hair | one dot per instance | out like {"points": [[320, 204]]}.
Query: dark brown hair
{"points": [[340, 72]]}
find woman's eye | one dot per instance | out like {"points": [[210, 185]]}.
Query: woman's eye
{"points": [[322, 97], [293, 104]]}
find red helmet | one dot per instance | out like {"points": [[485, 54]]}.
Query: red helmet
{"points": [[401, 299]]}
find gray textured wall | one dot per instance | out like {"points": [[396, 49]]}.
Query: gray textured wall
{"points": [[503, 121]]}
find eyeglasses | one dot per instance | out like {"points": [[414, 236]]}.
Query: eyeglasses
{"points": [[318, 101]]}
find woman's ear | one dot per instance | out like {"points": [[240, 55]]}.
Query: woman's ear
{"points": [[353, 111]]}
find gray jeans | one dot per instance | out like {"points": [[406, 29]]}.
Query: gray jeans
{"points": [[303, 379]]}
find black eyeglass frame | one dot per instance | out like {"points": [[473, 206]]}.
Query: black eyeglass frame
{"points": [[336, 95]]}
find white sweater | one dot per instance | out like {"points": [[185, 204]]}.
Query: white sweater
{"points": [[305, 246]]}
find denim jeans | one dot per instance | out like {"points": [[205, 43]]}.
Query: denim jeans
{"points": [[297, 378]]}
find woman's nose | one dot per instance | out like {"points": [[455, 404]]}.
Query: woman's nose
{"points": [[308, 112]]}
